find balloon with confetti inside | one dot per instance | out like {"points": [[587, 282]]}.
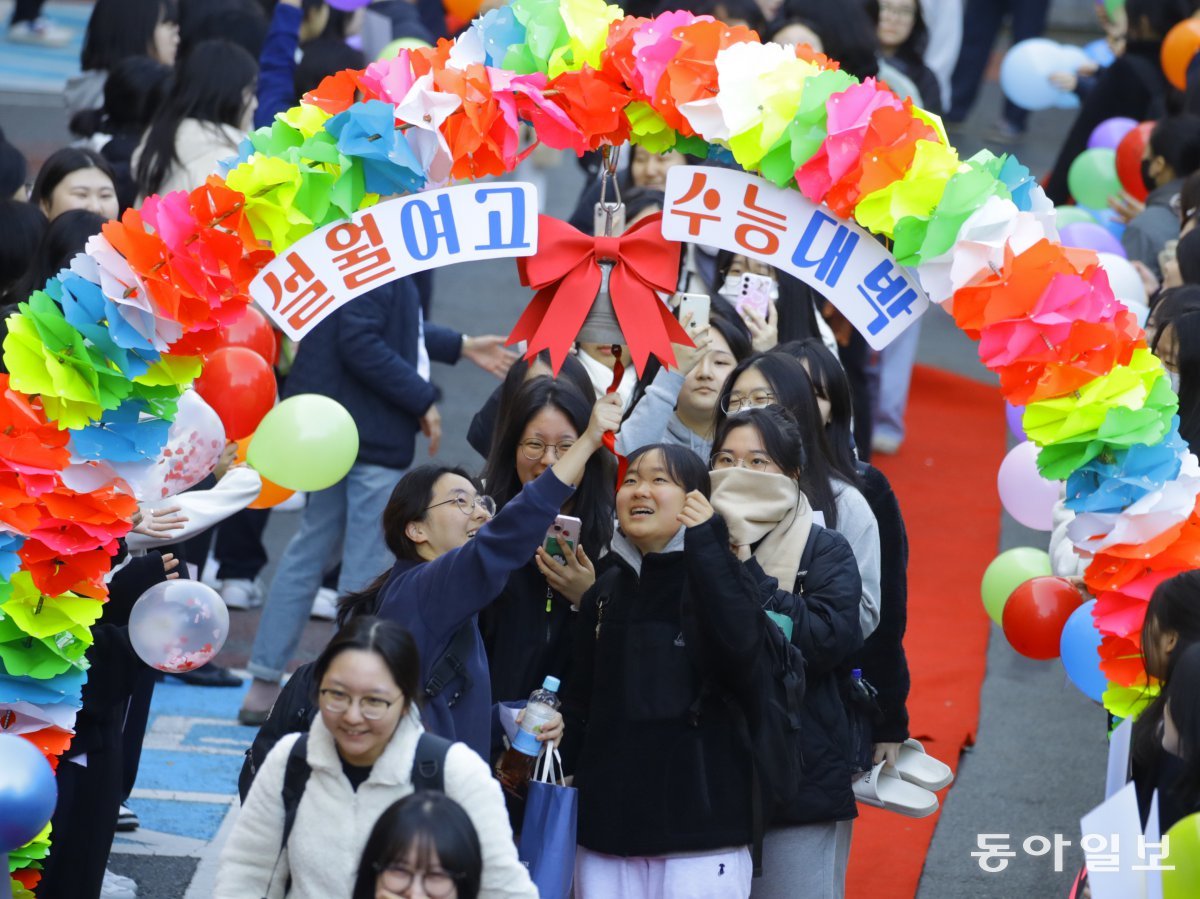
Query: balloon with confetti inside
{"points": [[178, 625]]}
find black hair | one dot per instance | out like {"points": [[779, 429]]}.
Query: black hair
{"points": [[211, 86], [121, 28], [1160, 15], [409, 502], [913, 49], [846, 31], [1172, 607], [63, 162], [386, 639], [61, 241], [13, 169], [1189, 198], [1177, 140], [724, 319], [780, 437], [1187, 253], [723, 10], [572, 372], [133, 91], [322, 57], [1183, 695], [425, 824], [1187, 362], [592, 501], [794, 391], [22, 225], [684, 467], [830, 383], [638, 199], [229, 20]]}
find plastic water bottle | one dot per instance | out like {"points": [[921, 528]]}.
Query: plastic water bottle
{"points": [[516, 765]]}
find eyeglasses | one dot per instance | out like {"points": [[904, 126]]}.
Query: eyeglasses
{"points": [[400, 878], [467, 505], [756, 461], [535, 449], [755, 398], [372, 707], [897, 10]]}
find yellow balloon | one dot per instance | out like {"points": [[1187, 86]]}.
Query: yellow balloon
{"points": [[1184, 881]]}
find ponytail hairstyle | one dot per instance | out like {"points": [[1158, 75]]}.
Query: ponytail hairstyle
{"points": [[831, 384], [409, 502], [386, 639], [214, 84], [1173, 608]]}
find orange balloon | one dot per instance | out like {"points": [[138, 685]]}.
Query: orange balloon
{"points": [[271, 494], [1178, 48]]}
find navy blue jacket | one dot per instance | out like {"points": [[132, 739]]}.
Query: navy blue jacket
{"points": [[277, 65], [365, 357], [433, 599]]}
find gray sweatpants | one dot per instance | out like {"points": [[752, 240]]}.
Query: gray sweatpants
{"points": [[805, 862]]}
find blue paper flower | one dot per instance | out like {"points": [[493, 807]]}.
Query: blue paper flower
{"points": [[10, 562], [1019, 181], [498, 31], [121, 436], [96, 317], [367, 132], [1102, 486], [65, 687]]}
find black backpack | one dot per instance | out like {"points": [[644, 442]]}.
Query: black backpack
{"points": [[294, 710]]}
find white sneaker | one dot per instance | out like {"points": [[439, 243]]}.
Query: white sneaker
{"points": [[40, 31], [117, 887], [241, 593], [325, 604], [127, 819]]}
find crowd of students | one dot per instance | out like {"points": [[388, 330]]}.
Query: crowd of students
{"points": [[748, 491]]}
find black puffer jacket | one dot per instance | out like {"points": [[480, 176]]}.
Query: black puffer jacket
{"points": [[656, 771], [824, 606]]}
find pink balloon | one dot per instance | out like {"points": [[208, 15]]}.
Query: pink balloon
{"points": [[1025, 494]]}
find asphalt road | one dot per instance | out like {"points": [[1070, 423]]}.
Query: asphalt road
{"points": [[1039, 759]]}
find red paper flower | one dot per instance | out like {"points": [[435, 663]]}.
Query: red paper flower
{"points": [[55, 573], [28, 443], [692, 74]]}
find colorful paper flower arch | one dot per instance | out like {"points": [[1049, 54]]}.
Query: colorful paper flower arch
{"points": [[120, 333]]}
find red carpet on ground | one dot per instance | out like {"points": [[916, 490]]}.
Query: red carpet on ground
{"points": [[945, 478]]}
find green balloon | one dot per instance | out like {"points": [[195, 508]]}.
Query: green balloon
{"points": [[308, 442], [1092, 178], [1071, 215], [1006, 573], [1184, 881], [1112, 7]]}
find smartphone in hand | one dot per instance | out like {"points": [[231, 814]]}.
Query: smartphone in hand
{"points": [[700, 306], [562, 537], [755, 293]]}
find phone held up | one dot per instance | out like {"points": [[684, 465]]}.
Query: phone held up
{"points": [[562, 537]]}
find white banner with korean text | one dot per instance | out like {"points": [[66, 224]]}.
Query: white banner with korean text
{"points": [[316, 276], [743, 213]]}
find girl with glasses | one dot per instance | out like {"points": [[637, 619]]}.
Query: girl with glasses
{"points": [[424, 845], [527, 630], [359, 753], [758, 489]]}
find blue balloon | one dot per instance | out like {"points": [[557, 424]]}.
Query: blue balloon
{"points": [[1080, 646], [1024, 74], [28, 792], [1100, 52]]}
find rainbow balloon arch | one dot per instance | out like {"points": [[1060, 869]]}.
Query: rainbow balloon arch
{"points": [[108, 346]]}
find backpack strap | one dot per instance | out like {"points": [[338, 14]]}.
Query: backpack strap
{"points": [[451, 664], [295, 779], [806, 557], [429, 763]]}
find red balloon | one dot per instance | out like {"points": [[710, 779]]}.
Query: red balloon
{"points": [[1036, 613], [1129, 159], [240, 386], [254, 332]]}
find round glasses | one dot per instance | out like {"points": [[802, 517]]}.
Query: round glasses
{"points": [[467, 505], [400, 878], [370, 707], [754, 461], [535, 449], [736, 402]]}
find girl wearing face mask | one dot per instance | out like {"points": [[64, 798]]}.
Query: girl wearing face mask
{"points": [[758, 474], [663, 777], [882, 659], [359, 752], [423, 845], [777, 379], [527, 630], [678, 406]]}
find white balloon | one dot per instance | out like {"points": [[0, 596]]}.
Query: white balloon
{"points": [[178, 625], [1126, 284]]}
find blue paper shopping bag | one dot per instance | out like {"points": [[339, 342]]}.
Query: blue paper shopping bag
{"points": [[548, 834]]}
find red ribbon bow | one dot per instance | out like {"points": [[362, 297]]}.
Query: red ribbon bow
{"points": [[565, 272]]}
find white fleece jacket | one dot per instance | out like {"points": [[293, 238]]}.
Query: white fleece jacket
{"points": [[333, 821]]}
